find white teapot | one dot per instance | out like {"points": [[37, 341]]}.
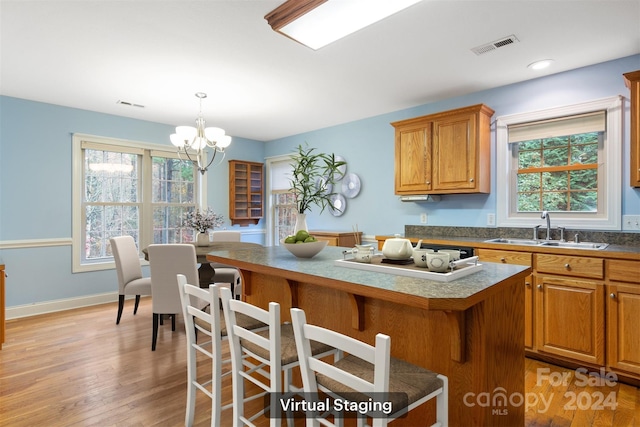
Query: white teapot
{"points": [[398, 248]]}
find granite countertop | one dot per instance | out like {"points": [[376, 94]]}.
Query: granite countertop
{"points": [[321, 270]]}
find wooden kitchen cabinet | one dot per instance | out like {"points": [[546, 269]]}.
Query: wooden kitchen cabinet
{"points": [[518, 258], [632, 80], [2, 304], [444, 153], [570, 309], [338, 238], [413, 159], [623, 320], [246, 192]]}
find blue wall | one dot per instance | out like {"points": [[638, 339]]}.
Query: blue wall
{"points": [[35, 174]]}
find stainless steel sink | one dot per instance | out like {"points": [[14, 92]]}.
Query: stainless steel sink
{"points": [[514, 241], [580, 245], [550, 243]]}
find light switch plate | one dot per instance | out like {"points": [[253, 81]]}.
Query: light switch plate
{"points": [[423, 218], [491, 219]]}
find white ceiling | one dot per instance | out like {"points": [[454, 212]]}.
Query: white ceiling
{"points": [[89, 54]]}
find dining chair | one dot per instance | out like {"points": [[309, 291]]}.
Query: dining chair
{"points": [[364, 374], [273, 348], [225, 273], [201, 310], [166, 261], [130, 280]]}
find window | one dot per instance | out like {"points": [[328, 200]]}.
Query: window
{"points": [[564, 160], [282, 206], [123, 187]]}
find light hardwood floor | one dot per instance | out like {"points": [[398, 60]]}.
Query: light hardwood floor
{"points": [[78, 368]]}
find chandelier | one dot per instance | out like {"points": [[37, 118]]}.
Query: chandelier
{"points": [[192, 141]]}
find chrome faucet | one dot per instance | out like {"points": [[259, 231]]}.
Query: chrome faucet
{"points": [[545, 215]]}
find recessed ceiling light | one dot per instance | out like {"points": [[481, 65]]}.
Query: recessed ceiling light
{"points": [[539, 65]]}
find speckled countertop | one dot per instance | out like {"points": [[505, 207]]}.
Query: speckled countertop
{"points": [[321, 269]]}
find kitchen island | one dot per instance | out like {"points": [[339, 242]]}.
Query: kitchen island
{"points": [[469, 329]]}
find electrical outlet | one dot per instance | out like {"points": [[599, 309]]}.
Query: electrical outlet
{"points": [[630, 222], [491, 219], [423, 218]]}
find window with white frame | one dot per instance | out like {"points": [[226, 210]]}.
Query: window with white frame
{"points": [[282, 205], [564, 160], [124, 187]]}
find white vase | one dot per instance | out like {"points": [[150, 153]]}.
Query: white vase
{"points": [[202, 239], [301, 223]]}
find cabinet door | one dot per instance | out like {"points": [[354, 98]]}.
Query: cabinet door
{"points": [[570, 318], [454, 153], [413, 159], [623, 337], [519, 258], [632, 80]]}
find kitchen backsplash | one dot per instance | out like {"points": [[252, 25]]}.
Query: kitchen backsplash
{"points": [[613, 238]]}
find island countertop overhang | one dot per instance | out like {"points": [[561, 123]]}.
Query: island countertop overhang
{"points": [[320, 270]]}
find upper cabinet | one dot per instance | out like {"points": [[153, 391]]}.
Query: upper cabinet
{"points": [[632, 80], [245, 192], [444, 153]]}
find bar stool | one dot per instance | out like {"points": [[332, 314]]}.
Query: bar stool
{"points": [[367, 375], [201, 311], [273, 348]]}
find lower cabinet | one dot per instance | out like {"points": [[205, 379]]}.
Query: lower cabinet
{"points": [[570, 318], [623, 316], [338, 238]]}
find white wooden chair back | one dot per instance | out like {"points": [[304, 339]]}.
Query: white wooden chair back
{"points": [[379, 356]]}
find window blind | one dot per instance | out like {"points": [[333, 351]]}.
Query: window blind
{"points": [[571, 125]]}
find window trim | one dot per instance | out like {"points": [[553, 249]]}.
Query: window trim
{"points": [[94, 141], [611, 218]]}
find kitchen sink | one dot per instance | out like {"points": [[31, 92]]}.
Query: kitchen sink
{"points": [[514, 241], [550, 243], [579, 245]]}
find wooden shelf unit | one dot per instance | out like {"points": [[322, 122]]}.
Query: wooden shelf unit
{"points": [[246, 193]]}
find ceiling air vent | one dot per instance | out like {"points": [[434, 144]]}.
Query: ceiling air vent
{"points": [[129, 104], [506, 41]]}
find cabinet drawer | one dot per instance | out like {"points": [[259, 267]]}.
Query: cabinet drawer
{"points": [[505, 257], [333, 241], [570, 266], [624, 271]]}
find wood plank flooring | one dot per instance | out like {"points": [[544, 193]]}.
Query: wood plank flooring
{"points": [[78, 368]]}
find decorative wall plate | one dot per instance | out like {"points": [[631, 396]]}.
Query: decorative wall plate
{"points": [[341, 170], [322, 183], [339, 203], [351, 185]]}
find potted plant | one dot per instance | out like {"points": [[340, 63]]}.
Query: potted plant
{"points": [[312, 180], [202, 222]]}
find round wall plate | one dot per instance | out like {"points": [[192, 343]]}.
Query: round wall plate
{"points": [[339, 203], [351, 185], [324, 185], [341, 170]]}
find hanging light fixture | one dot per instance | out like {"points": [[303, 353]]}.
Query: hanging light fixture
{"points": [[192, 141]]}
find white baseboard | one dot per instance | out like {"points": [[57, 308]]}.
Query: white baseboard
{"points": [[35, 309]]}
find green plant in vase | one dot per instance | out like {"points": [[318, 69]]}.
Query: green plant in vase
{"points": [[313, 174]]}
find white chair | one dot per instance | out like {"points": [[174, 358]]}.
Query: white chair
{"points": [[366, 374], [130, 280], [201, 311], [225, 273], [273, 348], [166, 261]]}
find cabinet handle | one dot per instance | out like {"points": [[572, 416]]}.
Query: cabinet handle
{"points": [[470, 179], [567, 266], [612, 295], [428, 182], [527, 283], [503, 260], [539, 286]]}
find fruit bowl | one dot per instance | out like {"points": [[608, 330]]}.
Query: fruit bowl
{"points": [[305, 250]]}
